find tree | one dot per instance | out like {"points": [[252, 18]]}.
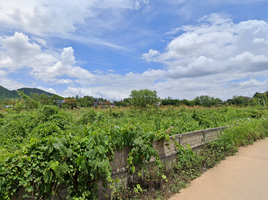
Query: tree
{"points": [[123, 103], [87, 101], [44, 99], [207, 101], [34, 96], [238, 100], [169, 101], [141, 98], [56, 97], [90, 100], [26, 102], [70, 102], [261, 98]]}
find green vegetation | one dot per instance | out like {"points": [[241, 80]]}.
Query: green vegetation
{"points": [[6, 94], [43, 147], [137, 98], [191, 165], [142, 98], [28, 91], [46, 146]]}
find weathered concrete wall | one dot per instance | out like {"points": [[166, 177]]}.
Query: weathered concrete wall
{"points": [[167, 154], [194, 139]]}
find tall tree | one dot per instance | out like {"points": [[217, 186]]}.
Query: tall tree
{"points": [[141, 98]]}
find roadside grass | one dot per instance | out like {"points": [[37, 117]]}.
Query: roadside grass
{"points": [[191, 165]]}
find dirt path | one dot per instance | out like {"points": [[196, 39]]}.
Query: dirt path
{"points": [[240, 177]]}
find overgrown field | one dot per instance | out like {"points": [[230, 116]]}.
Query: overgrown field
{"points": [[43, 148]]}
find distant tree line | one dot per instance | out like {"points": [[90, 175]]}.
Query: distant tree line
{"points": [[137, 98]]}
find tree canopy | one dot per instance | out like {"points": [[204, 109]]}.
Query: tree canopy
{"points": [[141, 98]]}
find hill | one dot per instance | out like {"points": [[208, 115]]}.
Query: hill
{"points": [[6, 94], [28, 91]]}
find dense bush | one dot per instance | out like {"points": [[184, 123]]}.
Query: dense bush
{"points": [[47, 146]]}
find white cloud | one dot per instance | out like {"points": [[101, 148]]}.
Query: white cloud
{"points": [[205, 59], [215, 45], [19, 52], [18, 47], [150, 55], [63, 81], [97, 71], [60, 17], [200, 66], [139, 3], [50, 66], [252, 83], [208, 57], [40, 41], [5, 60], [64, 67], [91, 23], [3, 73], [152, 75], [8, 83], [51, 90]]}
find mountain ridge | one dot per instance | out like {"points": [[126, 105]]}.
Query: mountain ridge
{"points": [[6, 94]]}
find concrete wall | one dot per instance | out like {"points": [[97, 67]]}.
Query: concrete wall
{"points": [[195, 139], [167, 154]]}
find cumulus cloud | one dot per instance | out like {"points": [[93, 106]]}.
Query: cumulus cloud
{"points": [[211, 55], [66, 66], [3, 73], [18, 48], [63, 81], [215, 45], [97, 71], [18, 51], [203, 59], [150, 55], [115, 86], [8, 83], [252, 83], [51, 90], [51, 66]]}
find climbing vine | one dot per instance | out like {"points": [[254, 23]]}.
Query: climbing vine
{"points": [[45, 149]]}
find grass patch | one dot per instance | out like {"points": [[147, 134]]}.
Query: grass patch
{"points": [[191, 165]]}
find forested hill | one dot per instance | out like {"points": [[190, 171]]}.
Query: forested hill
{"points": [[6, 94]]}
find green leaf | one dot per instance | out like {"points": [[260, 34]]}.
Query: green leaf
{"points": [[80, 160], [29, 189], [55, 166], [45, 188], [90, 153], [69, 153], [47, 176], [64, 168]]}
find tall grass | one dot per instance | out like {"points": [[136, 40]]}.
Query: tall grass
{"points": [[191, 165]]}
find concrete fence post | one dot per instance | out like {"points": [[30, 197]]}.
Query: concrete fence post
{"points": [[204, 137]]}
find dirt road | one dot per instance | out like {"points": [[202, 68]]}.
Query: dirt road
{"points": [[240, 177]]}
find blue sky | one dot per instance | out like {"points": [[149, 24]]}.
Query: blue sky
{"points": [[106, 48]]}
